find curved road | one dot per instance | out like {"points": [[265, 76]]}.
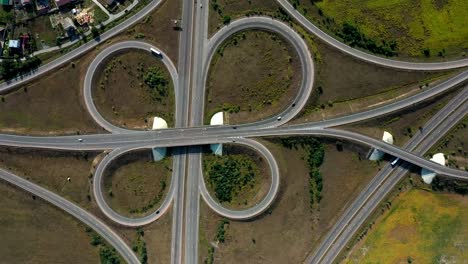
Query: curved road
{"points": [[74, 210], [291, 36], [101, 57], [123, 140], [417, 66], [374, 193], [113, 215], [68, 57], [260, 207]]}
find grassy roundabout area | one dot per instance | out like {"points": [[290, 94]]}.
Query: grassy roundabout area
{"points": [[136, 185], [132, 87], [423, 28], [238, 179], [253, 75]]}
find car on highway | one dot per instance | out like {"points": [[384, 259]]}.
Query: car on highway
{"points": [[278, 118], [156, 52], [80, 140], [394, 162]]}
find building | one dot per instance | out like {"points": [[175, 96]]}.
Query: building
{"points": [[14, 44], [61, 3], [42, 6], [6, 2]]}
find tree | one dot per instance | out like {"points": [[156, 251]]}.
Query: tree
{"points": [[226, 20], [95, 32], [427, 52]]}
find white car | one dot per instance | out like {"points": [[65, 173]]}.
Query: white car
{"points": [[80, 140], [278, 118], [201, 5]]}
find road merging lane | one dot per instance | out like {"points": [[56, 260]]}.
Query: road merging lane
{"points": [[124, 140]]}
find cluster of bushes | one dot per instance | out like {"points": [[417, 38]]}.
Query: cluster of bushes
{"points": [[221, 230], [439, 184], [218, 9], [220, 236], [12, 67], [157, 83], [315, 156], [230, 108], [227, 175], [355, 38], [107, 254], [139, 246]]}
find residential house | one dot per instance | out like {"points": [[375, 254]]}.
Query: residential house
{"points": [[61, 3], [6, 2]]}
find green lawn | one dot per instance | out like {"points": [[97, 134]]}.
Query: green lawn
{"points": [[437, 25]]}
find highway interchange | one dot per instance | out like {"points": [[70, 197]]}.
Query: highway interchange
{"points": [[187, 184]]}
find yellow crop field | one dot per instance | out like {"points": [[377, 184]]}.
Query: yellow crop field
{"points": [[421, 227]]}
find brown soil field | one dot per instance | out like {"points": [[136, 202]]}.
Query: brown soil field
{"points": [[237, 9], [343, 77], [34, 231], [123, 98], [157, 28], [50, 169], [253, 193], [53, 104], [403, 124], [291, 221], [245, 79], [135, 184]]}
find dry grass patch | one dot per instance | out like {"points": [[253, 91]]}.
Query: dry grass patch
{"points": [[51, 169], [405, 123], [253, 75], [36, 232], [291, 221], [135, 184], [122, 93]]}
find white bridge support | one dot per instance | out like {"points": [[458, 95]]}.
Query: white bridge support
{"points": [[217, 120], [377, 154], [428, 175], [159, 153]]}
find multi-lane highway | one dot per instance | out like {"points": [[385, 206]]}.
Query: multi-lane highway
{"points": [[378, 188], [195, 53]]}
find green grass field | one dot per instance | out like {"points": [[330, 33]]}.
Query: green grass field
{"points": [[421, 227], [437, 25]]}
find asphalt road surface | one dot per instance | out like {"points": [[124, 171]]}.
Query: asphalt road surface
{"points": [[421, 66], [195, 52], [378, 188]]}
